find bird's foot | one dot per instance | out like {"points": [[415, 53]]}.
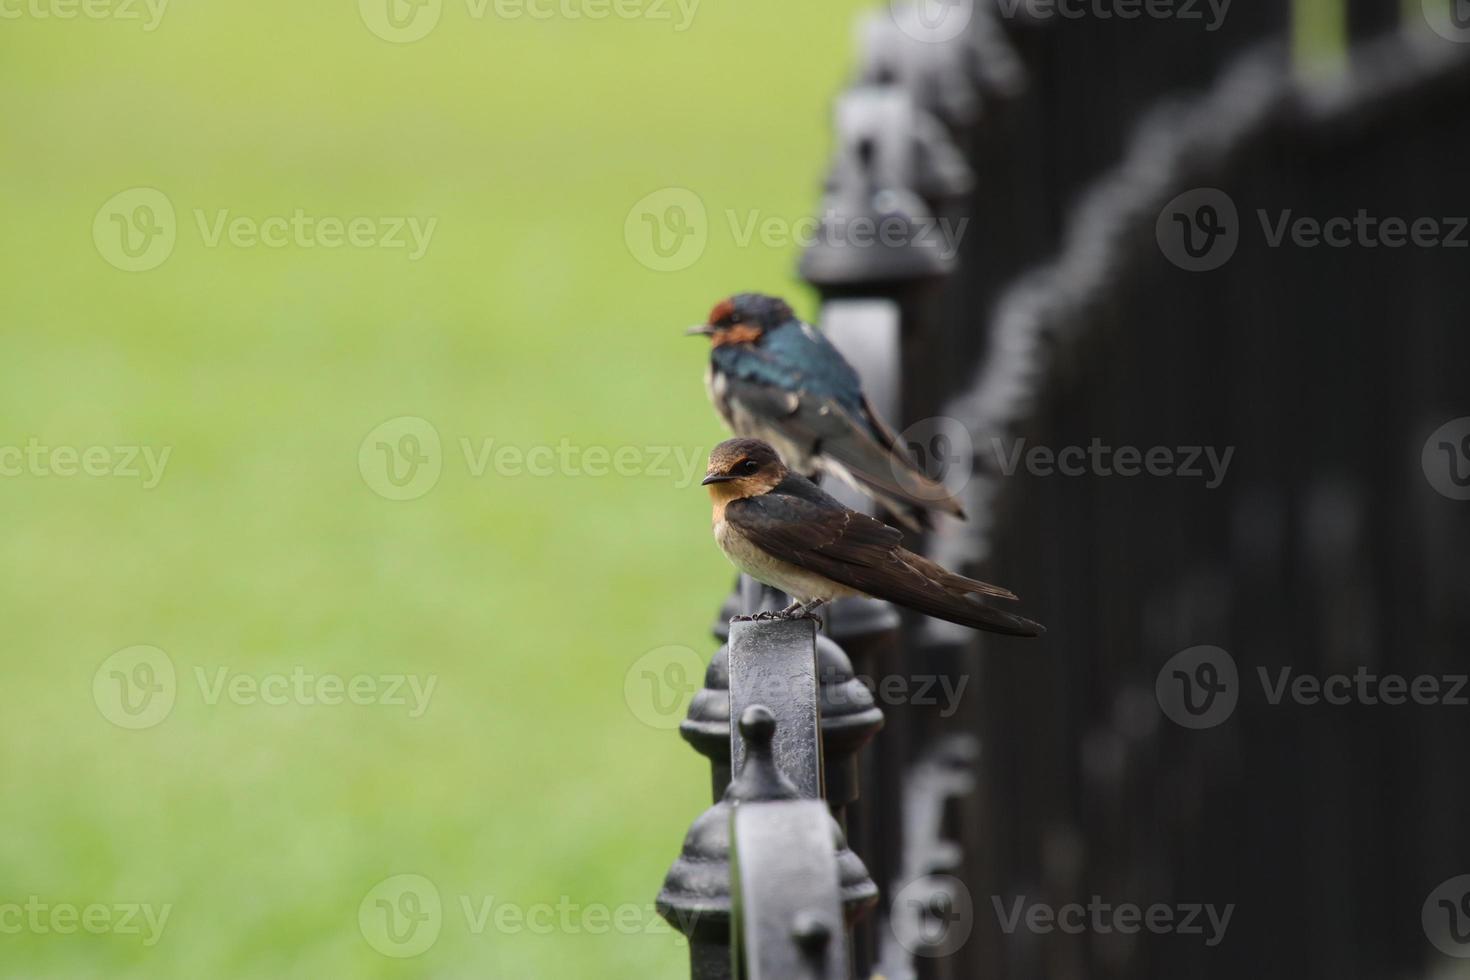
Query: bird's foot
{"points": [[760, 617], [804, 610], [797, 610]]}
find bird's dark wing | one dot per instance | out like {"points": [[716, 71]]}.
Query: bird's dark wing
{"points": [[764, 401], [855, 439], [799, 523], [810, 529]]}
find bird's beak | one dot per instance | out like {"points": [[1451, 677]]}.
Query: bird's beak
{"points": [[715, 478], [699, 329]]}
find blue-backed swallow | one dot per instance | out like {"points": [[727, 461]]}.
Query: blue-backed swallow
{"points": [[775, 378], [782, 529]]}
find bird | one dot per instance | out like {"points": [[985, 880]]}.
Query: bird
{"points": [[780, 528], [776, 378]]}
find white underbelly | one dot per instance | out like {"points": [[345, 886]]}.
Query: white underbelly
{"points": [[791, 579]]}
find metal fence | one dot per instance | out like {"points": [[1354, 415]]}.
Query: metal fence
{"points": [[1204, 401]]}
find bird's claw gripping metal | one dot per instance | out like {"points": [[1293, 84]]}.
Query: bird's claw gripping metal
{"points": [[768, 616]]}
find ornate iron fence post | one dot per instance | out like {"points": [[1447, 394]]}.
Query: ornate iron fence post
{"points": [[849, 720], [776, 917], [895, 164], [696, 898], [775, 664], [788, 917]]}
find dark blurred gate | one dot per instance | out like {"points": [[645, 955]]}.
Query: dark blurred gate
{"points": [[1135, 273]]}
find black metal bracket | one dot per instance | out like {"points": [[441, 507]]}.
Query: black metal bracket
{"points": [[788, 910], [774, 664]]}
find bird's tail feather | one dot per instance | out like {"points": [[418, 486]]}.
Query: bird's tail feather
{"points": [[969, 611], [952, 582], [953, 597]]}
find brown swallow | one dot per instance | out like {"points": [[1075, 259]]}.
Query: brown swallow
{"points": [[781, 529]]}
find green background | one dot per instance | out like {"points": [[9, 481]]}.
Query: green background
{"points": [[541, 777], [530, 779]]}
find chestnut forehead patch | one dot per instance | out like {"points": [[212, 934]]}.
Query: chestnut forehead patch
{"points": [[722, 310]]}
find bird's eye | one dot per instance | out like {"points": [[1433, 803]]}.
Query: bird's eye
{"points": [[747, 468]]}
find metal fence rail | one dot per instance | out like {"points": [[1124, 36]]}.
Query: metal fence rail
{"points": [[1070, 317]]}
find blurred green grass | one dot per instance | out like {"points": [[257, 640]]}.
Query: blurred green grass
{"points": [[263, 549]]}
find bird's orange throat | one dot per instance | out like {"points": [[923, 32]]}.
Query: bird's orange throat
{"points": [[723, 493]]}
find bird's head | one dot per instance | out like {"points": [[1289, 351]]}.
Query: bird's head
{"points": [[743, 319], [740, 468]]}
